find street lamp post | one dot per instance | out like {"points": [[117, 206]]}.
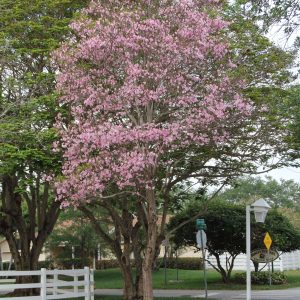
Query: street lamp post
{"points": [[260, 209], [201, 226]]}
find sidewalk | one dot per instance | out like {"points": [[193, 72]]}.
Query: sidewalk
{"points": [[288, 294]]}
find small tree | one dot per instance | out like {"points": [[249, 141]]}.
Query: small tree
{"points": [[226, 232]]}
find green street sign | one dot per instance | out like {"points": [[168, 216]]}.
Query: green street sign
{"points": [[200, 224]]}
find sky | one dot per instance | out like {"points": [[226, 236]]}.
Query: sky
{"points": [[284, 173]]}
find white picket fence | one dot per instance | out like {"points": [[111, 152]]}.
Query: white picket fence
{"points": [[51, 286]]}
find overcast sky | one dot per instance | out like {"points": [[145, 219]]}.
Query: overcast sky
{"points": [[285, 173]]}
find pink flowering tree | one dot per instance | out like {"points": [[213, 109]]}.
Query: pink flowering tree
{"points": [[151, 104]]}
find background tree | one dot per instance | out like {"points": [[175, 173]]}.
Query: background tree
{"points": [[283, 193], [291, 107], [74, 230], [284, 13], [139, 131], [226, 232], [30, 30]]}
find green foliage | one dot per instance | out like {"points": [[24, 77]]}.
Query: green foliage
{"points": [[284, 13], [226, 228], [68, 263], [285, 236], [270, 66], [74, 230], [29, 31], [254, 51], [262, 278], [182, 263], [291, 108], [285, 193], [37, 26]]}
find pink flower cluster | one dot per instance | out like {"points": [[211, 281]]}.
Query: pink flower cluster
{"points": [[140, 84]]}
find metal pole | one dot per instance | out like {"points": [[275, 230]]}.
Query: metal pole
{"points": [[177, 275], [204, 267], [269, 269], [73, 257], [165, 265], [248, 251], [99, 252], [1, 261]]}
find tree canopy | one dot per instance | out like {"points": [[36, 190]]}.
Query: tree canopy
{"points": [[29, 31], [284, 193]]}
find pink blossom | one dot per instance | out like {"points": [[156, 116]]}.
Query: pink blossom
{"points": [[141, 86]]}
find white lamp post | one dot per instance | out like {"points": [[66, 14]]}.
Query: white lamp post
{"points": [[260, 208]]}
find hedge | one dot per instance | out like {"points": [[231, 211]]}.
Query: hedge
{"points": [[262, 278], [184, 263]]}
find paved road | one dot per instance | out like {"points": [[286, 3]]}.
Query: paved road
{"points": [[289, 294]]}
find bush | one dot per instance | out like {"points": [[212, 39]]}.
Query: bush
{"points": [[78, 263], [183, 263], [107, 264], [47, 264], [262, 278]]}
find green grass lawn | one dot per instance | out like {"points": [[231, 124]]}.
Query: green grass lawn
{"points": [[188, 279]]}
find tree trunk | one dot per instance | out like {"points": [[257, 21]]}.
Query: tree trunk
{"points": [[139, 284], [150, 246], [24, 236], [147, 282], [137, 249], [129, 288], [25, 264]]}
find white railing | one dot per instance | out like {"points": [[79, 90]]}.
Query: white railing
{"points": [[53, 284]]}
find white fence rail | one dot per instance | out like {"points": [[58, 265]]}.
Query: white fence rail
{"points": [[53, 284]]}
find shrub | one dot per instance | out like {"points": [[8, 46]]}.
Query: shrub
{"points": [[262, 278], [107, 264], [183, 263], [78, 263], [47, 264]]}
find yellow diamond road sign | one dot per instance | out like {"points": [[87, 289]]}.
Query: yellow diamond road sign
{"points": [[267, 241]]}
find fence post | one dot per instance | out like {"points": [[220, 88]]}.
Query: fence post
{"points": [[75, 287], [43, 284], [87, 283], [92, 283], [55, 280]]}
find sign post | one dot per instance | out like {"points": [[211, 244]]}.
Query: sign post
{"points": [[165, 243], [201, 243], [268, 243]]}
